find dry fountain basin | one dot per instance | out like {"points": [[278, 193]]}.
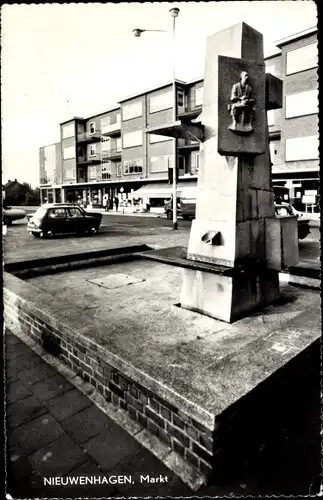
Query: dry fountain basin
{"points": [[208, 389]]}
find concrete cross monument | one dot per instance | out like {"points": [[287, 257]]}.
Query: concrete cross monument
{"points": [[236, 234]]}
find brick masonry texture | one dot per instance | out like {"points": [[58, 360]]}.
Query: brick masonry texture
{"points": [[174, 427]]}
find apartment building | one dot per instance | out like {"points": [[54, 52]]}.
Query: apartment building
{"points": [[114, 153], [294, 138]]}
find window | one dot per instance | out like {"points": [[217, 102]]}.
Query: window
{"points": [[302, 148], [271, 117], [106, 172], [301, 59], [132, 167], [74, 212], [106, 145], [199, 96], [118, 144], [302, 103], [132, 139], [91, 172], [68, 152], [119, 170], [92, 150], [118, 118], [105, 122], [68, 130], [92, 128], [69, 174], [159, 163], [273, 151], [55, 213], [158, 138], [195, 160], [161, 101], [132, 110]]}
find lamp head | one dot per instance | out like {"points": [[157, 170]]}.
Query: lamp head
{"points": [[174, 12], [137, 32]]}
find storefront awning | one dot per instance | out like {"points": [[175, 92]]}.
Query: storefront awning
{"points": [[164, 190]]}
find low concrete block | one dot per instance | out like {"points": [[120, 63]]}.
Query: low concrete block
{"points": [[281, 242]]}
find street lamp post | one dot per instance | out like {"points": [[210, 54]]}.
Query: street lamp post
{"points": [[137, 32]]}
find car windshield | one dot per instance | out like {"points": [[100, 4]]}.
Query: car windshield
{"points": [[40, 212]]}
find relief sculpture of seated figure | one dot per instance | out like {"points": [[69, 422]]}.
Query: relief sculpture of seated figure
{"points": [[241, 107]]}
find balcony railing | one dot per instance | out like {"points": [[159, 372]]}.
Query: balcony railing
{"points": [[112, 154], [91, 159], [191, 109], [89, 136], [112, 130]]}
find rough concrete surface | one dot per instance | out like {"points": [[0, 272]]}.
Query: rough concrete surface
{"points": [[142, 324]]}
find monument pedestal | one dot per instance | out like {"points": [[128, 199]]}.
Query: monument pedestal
{"points": [[229, 297]]}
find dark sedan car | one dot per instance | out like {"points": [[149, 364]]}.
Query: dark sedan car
{"points": [[60, 218]]}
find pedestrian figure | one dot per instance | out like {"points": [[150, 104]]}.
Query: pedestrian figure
{"points": [[116, 201], [105, 202]]}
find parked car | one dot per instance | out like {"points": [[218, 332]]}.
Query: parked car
{"points": [[10, 214], [185, 208], [60, 218], [287, 209]]}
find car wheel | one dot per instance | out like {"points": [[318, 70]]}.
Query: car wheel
{"points": [[36, 235], [169, 214], [93, 230], [7, 222]]}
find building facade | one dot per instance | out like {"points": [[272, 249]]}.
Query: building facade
{"points": [[112, 153]]}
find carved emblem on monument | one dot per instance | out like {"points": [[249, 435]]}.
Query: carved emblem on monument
{"points": [[241, 107]]}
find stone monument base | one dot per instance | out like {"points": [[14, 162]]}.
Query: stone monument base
{"points": [[229, 298]]}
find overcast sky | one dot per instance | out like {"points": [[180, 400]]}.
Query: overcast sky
{"points": [[60, 61]]}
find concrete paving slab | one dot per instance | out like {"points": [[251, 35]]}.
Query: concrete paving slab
{"points": [[58, 458], [17, 391], [23, 411], [17, 350], [37, 433], [51, 387], [86, 424], [67, 404], [117, 446], [36, 374]]}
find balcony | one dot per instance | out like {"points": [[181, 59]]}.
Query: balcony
{"points": [[189, 146], [91, 160], [112, 130], [112, 154], [87, 137], [192, 109]]}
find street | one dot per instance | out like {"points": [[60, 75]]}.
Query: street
{"points": [[128, 229]]}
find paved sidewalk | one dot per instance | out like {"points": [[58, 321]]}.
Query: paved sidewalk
{"points": [[53, 430]]}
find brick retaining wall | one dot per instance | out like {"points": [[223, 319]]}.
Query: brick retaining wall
{"points": [[182, 433]]}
